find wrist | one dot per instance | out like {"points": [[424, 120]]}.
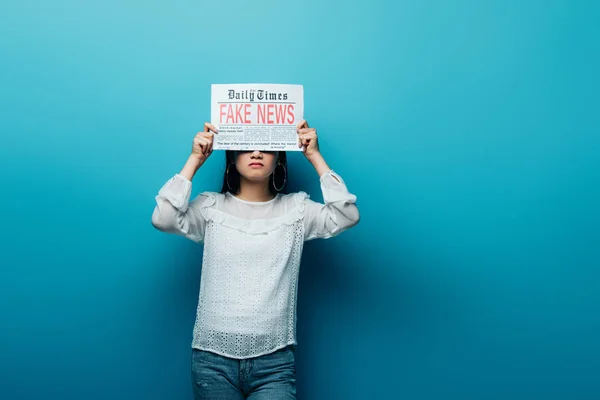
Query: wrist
{"points": [[319, 164], [315, 158], [191, 167], [195, 161]]}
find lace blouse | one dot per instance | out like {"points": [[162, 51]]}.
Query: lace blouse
{"points": [[252, 252]]}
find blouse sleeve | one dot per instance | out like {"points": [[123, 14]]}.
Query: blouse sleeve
{"points": [[174, 213], [335, 216]]}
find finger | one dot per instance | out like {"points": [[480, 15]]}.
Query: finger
{"points": [[206, 145], [311, 135], [203, 144], [205, 135], [308, 136], [210, 127], [198, 146], [306, 130], [302, 124]]}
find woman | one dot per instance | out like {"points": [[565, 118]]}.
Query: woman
{"points": [[245, 330]]}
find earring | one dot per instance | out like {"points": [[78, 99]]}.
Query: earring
{"points": [[284, 177], [227, 177]]}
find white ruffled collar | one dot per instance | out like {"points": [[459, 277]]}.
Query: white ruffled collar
{"points": [[258, 203], [255, 226]]}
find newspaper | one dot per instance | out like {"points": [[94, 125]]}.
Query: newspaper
{"points": [[256, 116]]}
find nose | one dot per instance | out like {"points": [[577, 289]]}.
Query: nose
{"points": [[256, 154]]}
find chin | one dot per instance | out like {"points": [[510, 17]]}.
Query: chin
{"points": [[255, 176]]}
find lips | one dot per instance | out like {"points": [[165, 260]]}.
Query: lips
{"points": [[256, 164]]}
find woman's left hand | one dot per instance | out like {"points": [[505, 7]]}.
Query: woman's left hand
{"points": [[307, 139]]}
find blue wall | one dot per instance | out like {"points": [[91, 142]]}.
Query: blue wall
{"points": [[469, 131]]}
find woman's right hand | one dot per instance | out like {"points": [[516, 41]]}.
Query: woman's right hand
{"points": [[202, 145]]}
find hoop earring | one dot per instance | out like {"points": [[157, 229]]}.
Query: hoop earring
{"points": [[284, 177], [227, 177]]}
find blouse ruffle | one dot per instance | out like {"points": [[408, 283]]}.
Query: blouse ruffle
{"points": [[177, 191], [255, 226]]}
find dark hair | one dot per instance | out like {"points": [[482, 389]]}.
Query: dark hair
{"points": [[231, 179]]}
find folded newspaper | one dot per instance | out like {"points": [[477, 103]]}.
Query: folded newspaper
{"points": [[256, 116]]}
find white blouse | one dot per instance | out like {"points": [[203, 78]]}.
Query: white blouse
{"points": [[252, 251]]}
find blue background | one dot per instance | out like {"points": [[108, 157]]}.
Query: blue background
{"points": [[469, 131]]}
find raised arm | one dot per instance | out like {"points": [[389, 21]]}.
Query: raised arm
{"points": [[339, 212], [174, 213]]}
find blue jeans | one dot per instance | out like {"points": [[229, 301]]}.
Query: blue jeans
{"points": [[270, 376]]}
